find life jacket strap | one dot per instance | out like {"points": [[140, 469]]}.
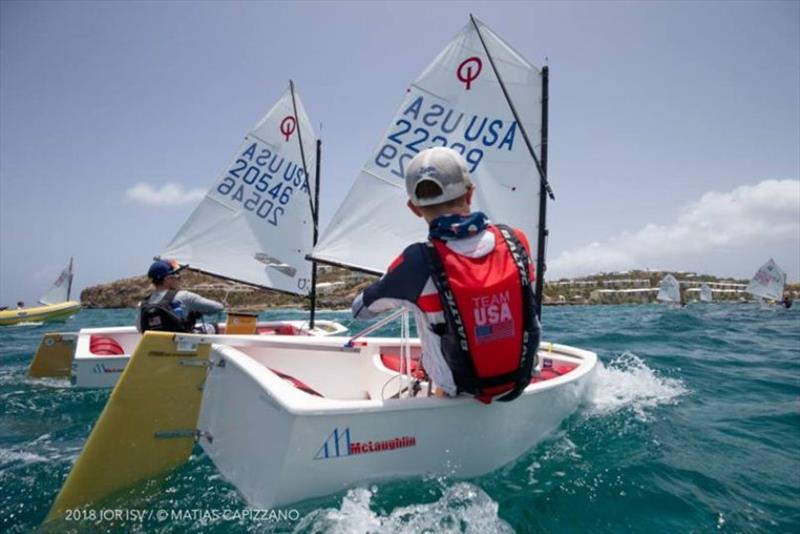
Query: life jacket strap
{"points": [[532, 329], [168, 297], [458, 359]]}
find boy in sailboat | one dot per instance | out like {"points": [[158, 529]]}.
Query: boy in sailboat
{"points": [[169, 308], [469, 286]]}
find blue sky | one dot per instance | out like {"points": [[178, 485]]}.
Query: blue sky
{"points": [[674, 132]]}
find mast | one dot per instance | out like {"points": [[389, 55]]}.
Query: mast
{"points": [[69, 279], [541, 165], [543, 231], [315, 215], [312, 204]]}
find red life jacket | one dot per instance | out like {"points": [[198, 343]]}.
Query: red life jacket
{"points": [[491, 333]]}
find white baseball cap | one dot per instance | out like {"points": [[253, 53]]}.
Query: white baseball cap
{"points": [[443, 166]]}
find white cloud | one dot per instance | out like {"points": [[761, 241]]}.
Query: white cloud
{"points": [[169, 194], [744, 219]]}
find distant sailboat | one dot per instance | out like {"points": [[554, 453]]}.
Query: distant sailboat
{"points": [[61, 289], [55, 304], [669, 290], [705, 293], [768, 282]]}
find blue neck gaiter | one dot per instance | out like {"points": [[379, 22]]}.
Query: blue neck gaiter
{"points": [[453, 226]]}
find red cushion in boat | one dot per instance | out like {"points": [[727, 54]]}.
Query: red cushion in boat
{"points": [[105, 346], [552, 370], [285, 330], [277, 330], [302, 386]]}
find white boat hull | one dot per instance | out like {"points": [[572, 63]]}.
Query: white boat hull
{"points": [[287, 418], [278, 444]]}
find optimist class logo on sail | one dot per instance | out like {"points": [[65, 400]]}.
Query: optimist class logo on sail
{"points": [[288, 125], [469, 70], [262, 180]]}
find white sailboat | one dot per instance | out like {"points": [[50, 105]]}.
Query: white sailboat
{"points": [[255, 225], [61, 289], [768, 283], [705, 293], [285, 419], [55, 304], [669, 291]]}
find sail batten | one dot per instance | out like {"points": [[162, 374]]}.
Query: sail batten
{"points": [[255, 225], [457, 102]]}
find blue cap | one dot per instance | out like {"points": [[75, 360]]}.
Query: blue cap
{"points": [[161, 269]]}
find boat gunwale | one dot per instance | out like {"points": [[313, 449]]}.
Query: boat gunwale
{"points": [[298, 403]]}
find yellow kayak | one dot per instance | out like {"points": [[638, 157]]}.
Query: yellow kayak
{"points": [[52, 312]]}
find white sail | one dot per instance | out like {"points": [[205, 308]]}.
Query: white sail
{"points": [[255, 224], [669, 290], [705, 293], [60, 290], [768, 282], [457, 102]]}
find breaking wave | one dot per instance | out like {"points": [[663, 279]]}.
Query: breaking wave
{"points": [[628, 383]]}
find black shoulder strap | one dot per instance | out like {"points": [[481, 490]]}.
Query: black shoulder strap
{"points": [[458, 357], [167, 298], [518, 252], [442, 284], [530, 335]]}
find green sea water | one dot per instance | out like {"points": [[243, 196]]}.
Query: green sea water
{"points": [[692, 424]]}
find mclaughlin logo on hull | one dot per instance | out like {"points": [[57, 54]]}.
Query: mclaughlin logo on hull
{"points": [[102, 369], [340, 443]]}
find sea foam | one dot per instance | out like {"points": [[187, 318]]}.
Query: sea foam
{"points": [[463, 507], [627, 382]]}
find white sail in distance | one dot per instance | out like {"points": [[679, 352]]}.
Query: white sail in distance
{"points": [[456, 102], [60, 290], [705, 293], [255, 224], [768, 282], [669, 290]]}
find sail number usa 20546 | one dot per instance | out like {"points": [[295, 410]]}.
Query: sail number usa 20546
{"points": [[262, 181]]}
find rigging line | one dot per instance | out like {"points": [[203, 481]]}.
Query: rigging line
{"points": [[303, 157], [542, 173]]}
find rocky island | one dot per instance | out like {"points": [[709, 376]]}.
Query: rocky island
{"points": [[336, 290], [338, 287]]}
